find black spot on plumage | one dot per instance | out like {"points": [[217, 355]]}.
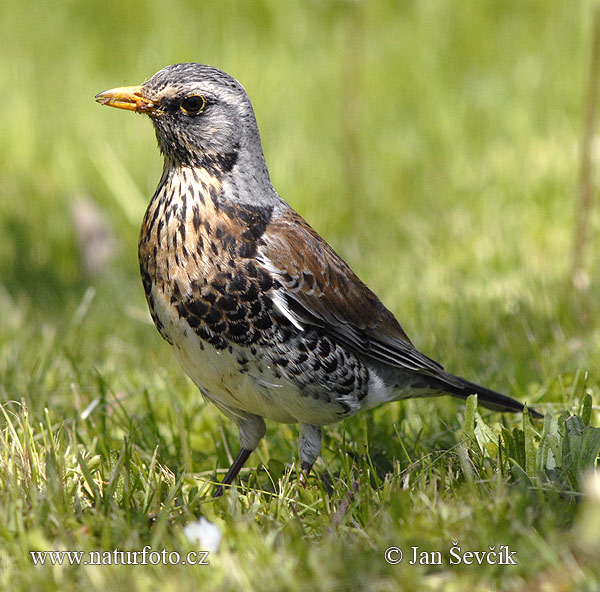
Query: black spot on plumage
{"points": [[251, 270], [210, 297], [196, 217], [146, 282], [219, 328], [248, 237], [203, 332], [157, 211], [324, 348], [256, 309], [217, 341], [237, 283], [229, 244], [265, 281], [330, 365], [263, 322], [348, 381], [246, 250], [198, 307], [183, 211], [215, 198], [236, 315], [213, 316], [227, 161], [239, 329], [252, 337], [312, 339], [227, 302], [250, 294], [300, 357], [193, 321]]}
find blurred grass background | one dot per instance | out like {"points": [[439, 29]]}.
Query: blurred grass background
{"points": [[434, 144]]}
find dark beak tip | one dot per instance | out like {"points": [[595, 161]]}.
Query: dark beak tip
{"points": [[102, 98]]}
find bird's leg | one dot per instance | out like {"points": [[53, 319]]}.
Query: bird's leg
{"points": [[251, 429], [305, 468], [310, 448], [233, 471]]}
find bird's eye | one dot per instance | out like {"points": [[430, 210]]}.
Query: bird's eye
{"points": [[193, 105]]}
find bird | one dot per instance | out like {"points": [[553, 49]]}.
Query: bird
{"points": [[267, 320]]}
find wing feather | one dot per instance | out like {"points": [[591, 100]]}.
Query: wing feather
{"points": [[319, 289]]}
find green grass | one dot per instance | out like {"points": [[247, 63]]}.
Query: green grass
{"points": [[435, 145]]}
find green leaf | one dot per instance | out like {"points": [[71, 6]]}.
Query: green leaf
{"points": [[529, 444], [470, 410], [586, 409]]}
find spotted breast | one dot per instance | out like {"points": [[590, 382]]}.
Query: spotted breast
{"points": [[212, 299]]}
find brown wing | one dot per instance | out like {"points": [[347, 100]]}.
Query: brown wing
{"points": [[320, 289]]}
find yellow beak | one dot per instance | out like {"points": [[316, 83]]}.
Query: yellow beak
{"points": [[127, 97]]}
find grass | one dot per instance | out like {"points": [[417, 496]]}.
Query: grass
{"points": [[436, 147]]}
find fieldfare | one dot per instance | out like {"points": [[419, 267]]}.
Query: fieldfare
{"points": [[263, 315]]}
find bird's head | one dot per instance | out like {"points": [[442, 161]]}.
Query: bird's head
{"points": [[198, 112]]}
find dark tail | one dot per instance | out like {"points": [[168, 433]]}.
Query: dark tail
{"points": [[461, 388]]}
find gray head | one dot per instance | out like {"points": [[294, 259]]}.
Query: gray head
{"points": [[199, 113]]}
